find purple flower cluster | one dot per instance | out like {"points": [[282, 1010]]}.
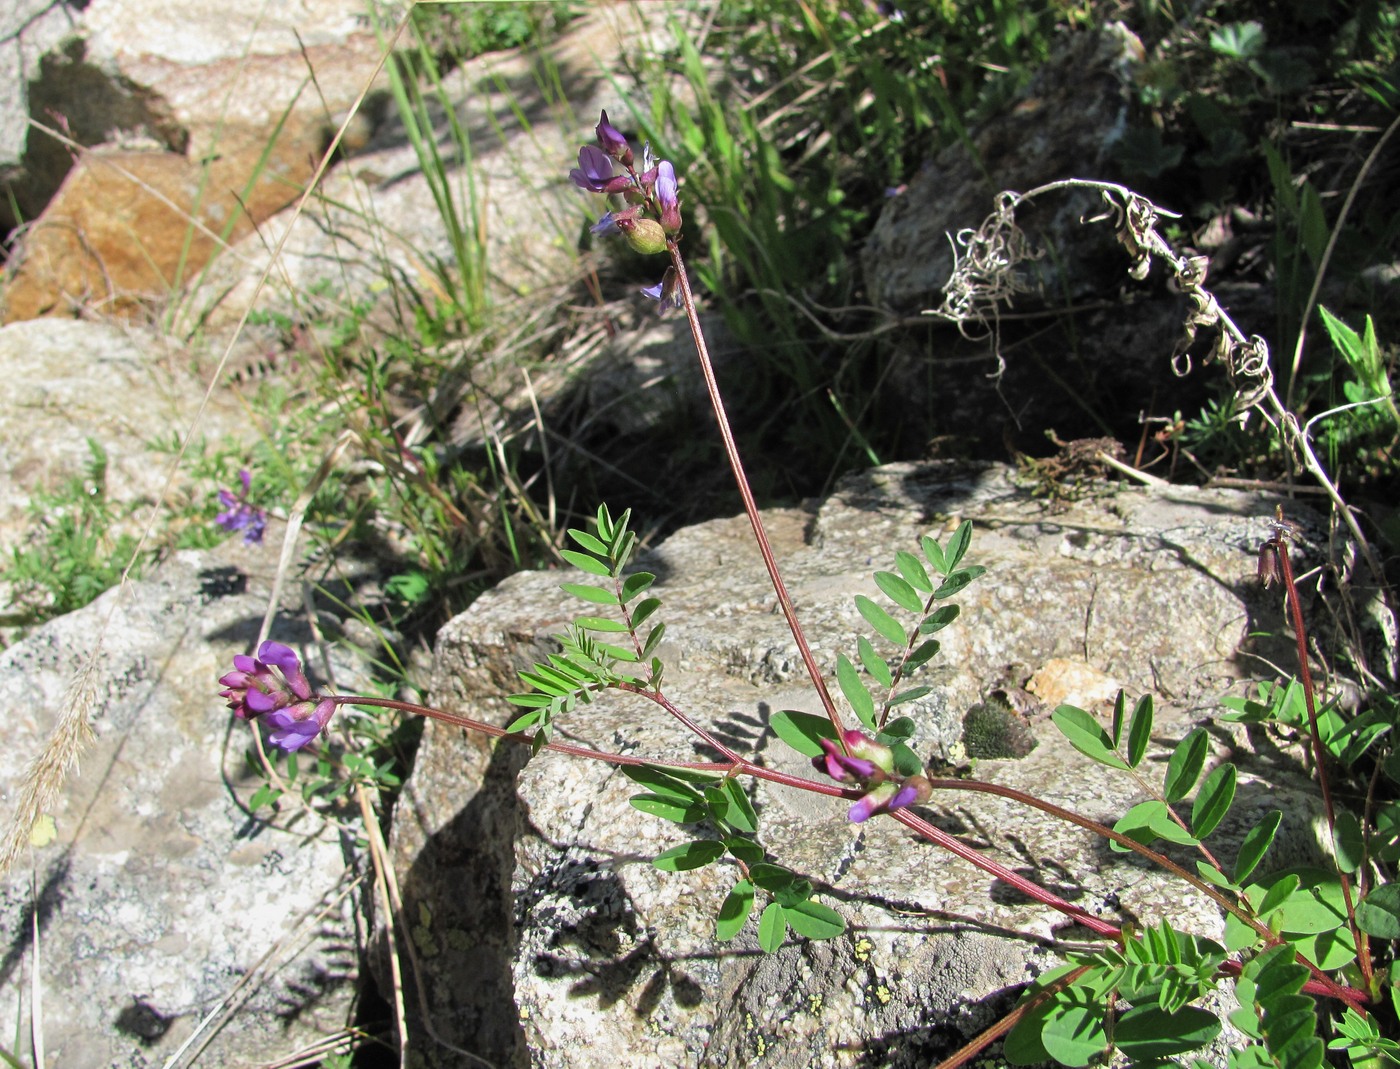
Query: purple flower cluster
{"points": [[651, 219], [870, 765], [239, 514], [273, 686]]}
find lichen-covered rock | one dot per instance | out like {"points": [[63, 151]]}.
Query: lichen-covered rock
{"points": [[609, 962]]}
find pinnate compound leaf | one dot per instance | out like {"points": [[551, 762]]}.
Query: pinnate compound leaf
{"points": [[1148, 821], [1256, 844], [588, 592], [692, 855], [772, 928], [1140, 731], [1185, 765], [734, 911], [1147, 1033], [585, 563], [1213, 801], [1086, 736], [884, 624], [802, 730], [899, 591], [913, 571], [673, 809], [1378, 913], [862, 704], [814, 920]]}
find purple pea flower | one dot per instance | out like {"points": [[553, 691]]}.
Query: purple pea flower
{"points": [[667, 292], [273, 685], [667, 198], [239, 514], [594, 170], [870, 765], [614, 144]]}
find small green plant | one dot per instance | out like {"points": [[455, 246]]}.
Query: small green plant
{"points": [[72, 553]]}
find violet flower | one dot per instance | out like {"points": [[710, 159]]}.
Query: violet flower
{"points": [[667, 292], [273, 685], [667, 199], [239, 514], [594, 171]]}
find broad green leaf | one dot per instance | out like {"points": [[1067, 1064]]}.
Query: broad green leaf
{"points": [[596, 594], [741, 811], [772, 928], [795, 893], [851, 686], [585, 563], [635, 583], [718, 805], [772, 878], [1211, 874], [658, 805], [1185, 764], [906, 761], [957, 581], [1256, 844], [1378, 913], [1213, 800], [1350, 842], [884, 624], [1276, 895], [653, 639], [1316, 905], [899, 591], [900, 729], [1149, 821], [1385, 841], [1145, 1033], [1074, 1031], [643, 609], [1086, 736], [873, 663], [601, 624], [662, 783], [913, 571], [693, 855], [746, 850], [923, 653], [802, 730], [910, 695], [814, 920], [957, 546], [1120, 706], [940, 618], [734, 911], [934, 553], [588, 542], [1140, 731]]}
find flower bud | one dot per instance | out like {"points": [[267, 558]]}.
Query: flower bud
{"points": [[613, 143], [644, 235], [667, 199]]}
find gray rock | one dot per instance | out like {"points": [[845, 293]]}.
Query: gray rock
{"points": [[29, 29], [603, 960], [161, 891]]}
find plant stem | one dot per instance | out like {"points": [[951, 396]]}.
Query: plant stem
{"points": [[736, 465], [1278, 545]]}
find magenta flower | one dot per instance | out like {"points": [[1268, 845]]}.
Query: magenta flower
{"points": [[273, 685], [239, 514], [870, 765]]}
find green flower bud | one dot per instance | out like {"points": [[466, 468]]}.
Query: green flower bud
{"points": [[644, 235]]}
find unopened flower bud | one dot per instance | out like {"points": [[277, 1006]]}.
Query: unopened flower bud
{"points": [[667, 198], [613, 143], [644, 235]]}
